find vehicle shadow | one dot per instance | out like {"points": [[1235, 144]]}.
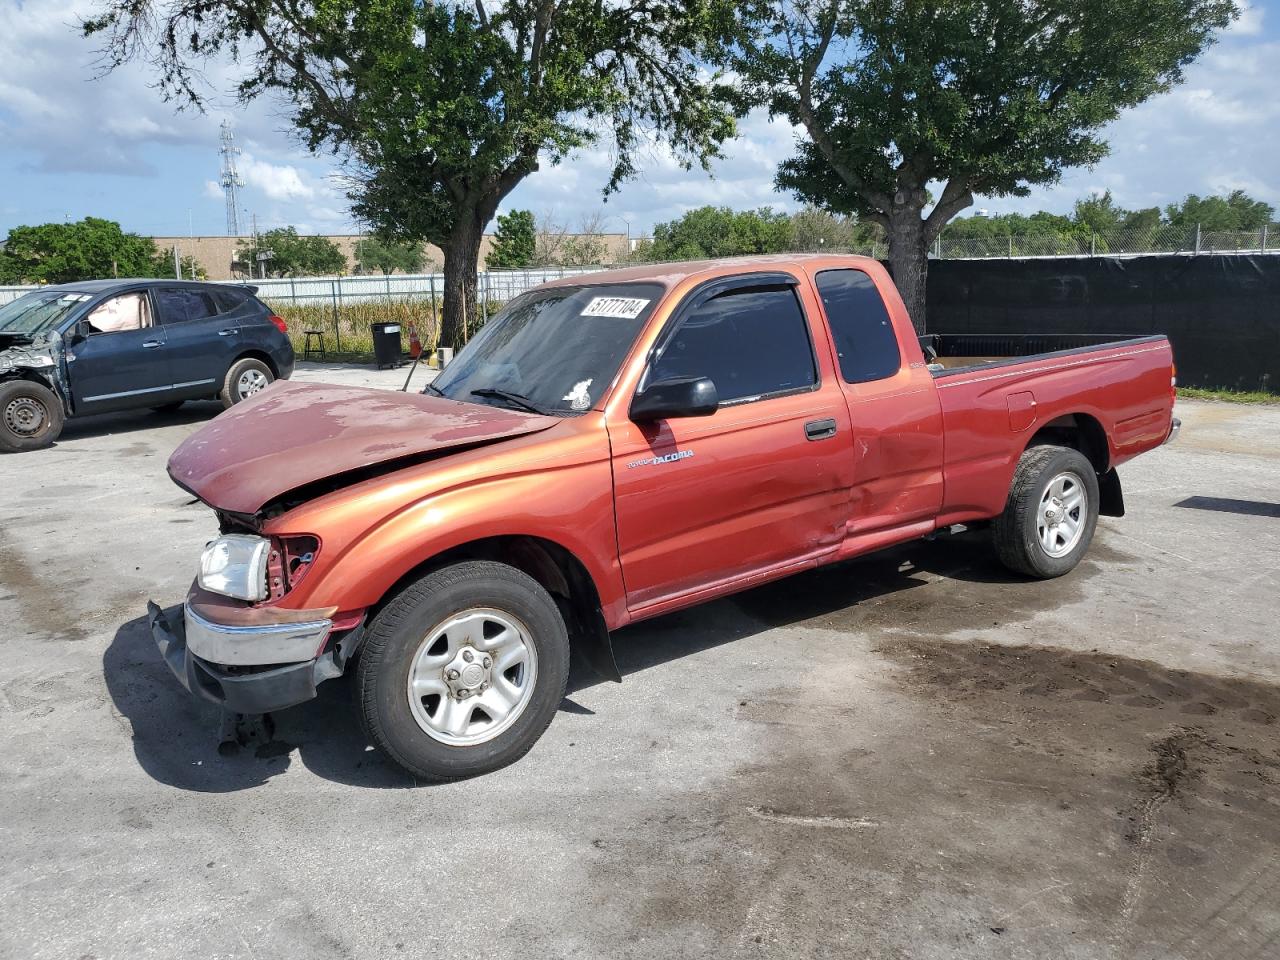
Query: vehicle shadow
{"points": [[129, 421], [178, 739]]}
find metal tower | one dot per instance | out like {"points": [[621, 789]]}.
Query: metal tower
{"points": [[231, 182]]}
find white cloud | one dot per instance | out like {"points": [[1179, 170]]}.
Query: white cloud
{"points": [[213, 190], [277, 181], [1250, 22]]}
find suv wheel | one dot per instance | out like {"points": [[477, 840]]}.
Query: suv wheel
{"points": [[30, 416], [245, 378], [462, 672]]}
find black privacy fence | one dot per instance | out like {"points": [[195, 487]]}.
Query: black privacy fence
{"points": [[1221, 312]]}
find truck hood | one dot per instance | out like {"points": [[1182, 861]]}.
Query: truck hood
{"points": [[293, 435]]}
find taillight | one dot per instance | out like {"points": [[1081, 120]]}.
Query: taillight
{"points": [[1173, 380], [279, 322]]}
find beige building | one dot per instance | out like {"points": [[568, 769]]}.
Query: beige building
{"points": [[218, 255]]}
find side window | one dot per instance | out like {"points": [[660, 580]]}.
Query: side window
{"points": [[865, 339], [178, 305], [125, 312], [228, 300], [751, 342]]}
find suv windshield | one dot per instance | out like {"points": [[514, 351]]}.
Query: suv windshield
{"points": [[551, 351], [38, 311]]}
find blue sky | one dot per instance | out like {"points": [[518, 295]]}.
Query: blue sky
{"points": [[74, 144]]}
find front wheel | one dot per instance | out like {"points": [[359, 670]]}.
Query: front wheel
{"points": [[1052, 510], [30, 416], [463, 671]]}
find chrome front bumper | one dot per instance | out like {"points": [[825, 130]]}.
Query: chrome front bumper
{"points": [[246, 688], [254, 645]]}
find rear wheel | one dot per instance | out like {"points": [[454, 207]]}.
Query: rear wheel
{"points": [[1050, 516], [245, 378], [31, 416], [463, 671]]}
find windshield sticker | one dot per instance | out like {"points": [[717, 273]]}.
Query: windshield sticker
{"points": [[622, 308], [578, 398]]}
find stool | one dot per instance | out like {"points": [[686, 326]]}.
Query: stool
{"points": [[309, 348]]}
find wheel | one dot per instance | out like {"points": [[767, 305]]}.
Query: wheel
{"points": [[1052, 510], [245, 378], [463, 671], [168, 407], [30, 416]]}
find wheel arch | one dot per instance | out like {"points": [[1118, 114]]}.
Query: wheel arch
{"points": [[1085, 433], [255, 353], [555, 568], [1080, 431]]}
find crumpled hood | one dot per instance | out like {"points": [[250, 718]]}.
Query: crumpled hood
{"points": [[294, 434]]}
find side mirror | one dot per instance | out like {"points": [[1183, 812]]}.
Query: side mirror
{"points": [[677, 397], [79, 332]]}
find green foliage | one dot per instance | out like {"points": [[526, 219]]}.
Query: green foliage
{"points": [[986, 96], [441, 109], [720, 232], [388, 256], [815, 229], [286, 254], [1236, 211], [89, 249], [515, 241]]}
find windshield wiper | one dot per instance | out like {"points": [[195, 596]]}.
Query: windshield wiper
{"points": [[434, 389], [518, 399]]}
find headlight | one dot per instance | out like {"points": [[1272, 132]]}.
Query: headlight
{"points": [[235, 565]]}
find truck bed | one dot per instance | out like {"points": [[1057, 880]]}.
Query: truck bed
{"points": [[952, 353]]}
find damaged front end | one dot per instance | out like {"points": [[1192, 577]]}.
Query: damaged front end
{"points": [[35, 358]]}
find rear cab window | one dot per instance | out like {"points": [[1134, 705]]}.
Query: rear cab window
{"points": [[752, 341], [866, 342]]}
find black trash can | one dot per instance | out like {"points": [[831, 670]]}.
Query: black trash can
{"points": [[386, 344]]}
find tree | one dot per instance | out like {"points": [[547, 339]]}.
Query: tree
{"points": [[283, 253], [515, 242], [441, 109], [1099, 213], [977, 96], [388, 256], [88, 249], [1236, 211], [721, 232]]}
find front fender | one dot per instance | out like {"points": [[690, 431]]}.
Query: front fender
{"points": [[571, 506]]}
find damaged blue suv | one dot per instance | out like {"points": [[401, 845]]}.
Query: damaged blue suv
{"points": [[106, 345]]}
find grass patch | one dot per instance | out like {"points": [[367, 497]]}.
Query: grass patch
{"points": [[1230, 396], [349, 340]]}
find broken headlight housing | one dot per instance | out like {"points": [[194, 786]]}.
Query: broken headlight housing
{"points": [[235, 565]]}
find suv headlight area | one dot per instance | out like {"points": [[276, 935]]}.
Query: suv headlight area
{"points": [[235, 565]]}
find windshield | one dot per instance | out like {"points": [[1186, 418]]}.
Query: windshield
{"points": [[551, 351], [38, 311]]}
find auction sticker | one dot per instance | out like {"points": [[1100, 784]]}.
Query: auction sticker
{"points": [[623, 308]]}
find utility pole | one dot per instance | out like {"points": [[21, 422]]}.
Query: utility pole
{"points": [[231, 181]]}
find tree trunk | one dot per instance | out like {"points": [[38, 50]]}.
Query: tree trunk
{"points": [[461, 253], [909, 261]]}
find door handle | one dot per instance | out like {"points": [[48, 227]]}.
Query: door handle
{"points": [[151, 344], [820, 429], [229, 332]]}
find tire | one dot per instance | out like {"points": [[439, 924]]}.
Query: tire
{"points": [[437, 732], [246, 377], [168, 407], [1035, 534], [31, 416]]}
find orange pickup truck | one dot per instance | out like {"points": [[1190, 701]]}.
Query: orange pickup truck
{"points": [[612, 447]]}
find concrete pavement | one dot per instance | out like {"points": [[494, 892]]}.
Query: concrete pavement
{"points": [[911, 755]]}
